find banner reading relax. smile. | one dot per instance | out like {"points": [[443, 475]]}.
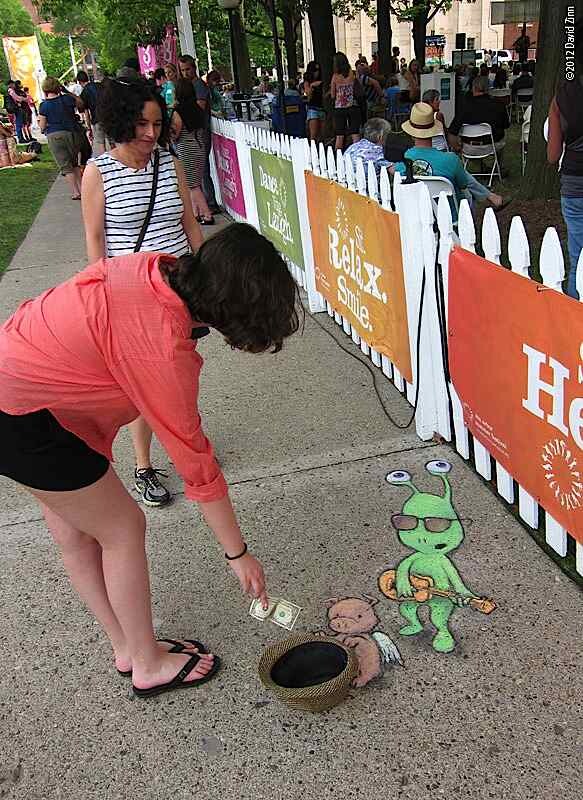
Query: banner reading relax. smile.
{"points": [[359, 267]]}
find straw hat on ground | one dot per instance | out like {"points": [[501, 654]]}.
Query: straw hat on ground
{"points": [[422, 123]]}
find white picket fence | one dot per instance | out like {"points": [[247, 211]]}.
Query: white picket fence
{"points": [[421, 247]]}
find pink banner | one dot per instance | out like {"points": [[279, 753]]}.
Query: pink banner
{"points": [[147, 58], [152, 56], [227, 163]]}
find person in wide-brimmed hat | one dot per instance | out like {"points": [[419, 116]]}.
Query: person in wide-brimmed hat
{"points": [[427, 161], [422, 123]]}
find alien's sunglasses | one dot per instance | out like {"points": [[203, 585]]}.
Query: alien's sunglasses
{"points": [[408, 522]]}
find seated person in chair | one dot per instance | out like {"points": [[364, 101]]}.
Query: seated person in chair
{"points": [[429, 162], [371, 146], [477, 109], [524, 81]]}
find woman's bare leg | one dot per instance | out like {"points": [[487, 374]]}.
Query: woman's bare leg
{"points": [[71, 179], [339, 142], [78, 177], [82, 558], [106, 513], [314, 130], [142, 440]]}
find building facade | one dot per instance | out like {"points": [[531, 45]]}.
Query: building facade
{"points": [[471, 18]]}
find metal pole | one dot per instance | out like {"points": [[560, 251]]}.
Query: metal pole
{"points": [[208, 51], [188, 34], [72, 53], [234, 60], [278, 63]]}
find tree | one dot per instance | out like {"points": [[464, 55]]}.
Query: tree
{"points": [[420, 13], [384, 36], [541, 179], [15, 21], [113, 28], [320, 17]]}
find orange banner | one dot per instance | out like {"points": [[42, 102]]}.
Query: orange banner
{"points": [[516, 361], [359, 266]]}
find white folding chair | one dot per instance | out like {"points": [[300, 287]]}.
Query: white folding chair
{"points": [[436, 185], [479, 152], [523, 101]]}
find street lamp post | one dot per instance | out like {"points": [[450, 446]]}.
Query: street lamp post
{"points": [[231, 6], [278, 62]]}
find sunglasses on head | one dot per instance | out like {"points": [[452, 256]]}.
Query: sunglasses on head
{"points": [[408, 522]]}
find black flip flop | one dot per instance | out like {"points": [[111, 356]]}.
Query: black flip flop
{"points": [[177, 647], [178, 681]]}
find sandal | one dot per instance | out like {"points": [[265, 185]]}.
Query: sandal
{"points": [[178, 681], [177, 647]]}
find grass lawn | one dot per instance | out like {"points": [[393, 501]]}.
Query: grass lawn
{"points": [[22, 191], [537, 215]]}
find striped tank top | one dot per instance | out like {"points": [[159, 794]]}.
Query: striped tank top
{"points": [[127, 197]]}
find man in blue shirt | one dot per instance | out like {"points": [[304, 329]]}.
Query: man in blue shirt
{"points": [[426, 160]]}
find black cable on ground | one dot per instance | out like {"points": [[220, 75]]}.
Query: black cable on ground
{"points": [[373, 373]]}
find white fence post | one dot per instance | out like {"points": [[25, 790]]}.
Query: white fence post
{"points": [[432, 303], [419, 249], [552, 270], [446, 241], [298, 156], [409, 201]]}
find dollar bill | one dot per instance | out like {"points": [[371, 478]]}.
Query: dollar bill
{"points": [[261, 613], [286, 614]]}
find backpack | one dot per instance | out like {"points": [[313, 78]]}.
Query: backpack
{"points": [[9, 104]]}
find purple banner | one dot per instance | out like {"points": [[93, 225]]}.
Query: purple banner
{"points": [[148, 59], [229, 174]]}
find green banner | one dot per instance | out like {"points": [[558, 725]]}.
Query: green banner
{"points": [[277, 204]]}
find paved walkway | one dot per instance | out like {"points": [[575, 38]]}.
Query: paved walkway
{"points": [[305, 449]]}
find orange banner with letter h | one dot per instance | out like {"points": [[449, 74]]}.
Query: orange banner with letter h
{"points": [[516, 361], [359, 266]]}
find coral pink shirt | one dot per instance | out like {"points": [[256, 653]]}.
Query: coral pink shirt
{"points": [[111, 343]]}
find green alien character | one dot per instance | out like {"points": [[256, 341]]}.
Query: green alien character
{"points": [[428, 525]]}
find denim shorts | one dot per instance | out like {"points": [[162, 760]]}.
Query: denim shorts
{"points": [[316, 113]]}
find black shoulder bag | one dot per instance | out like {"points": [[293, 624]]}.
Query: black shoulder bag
{"points": [[152, 201]]}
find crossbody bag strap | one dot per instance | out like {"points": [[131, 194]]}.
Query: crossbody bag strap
{"points": [[152, 201]]}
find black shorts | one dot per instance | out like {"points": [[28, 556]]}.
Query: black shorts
{"points": [[346, 121], [38, 452]]}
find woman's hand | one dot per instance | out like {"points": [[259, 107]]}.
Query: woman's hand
{"points": [[251, 577]]}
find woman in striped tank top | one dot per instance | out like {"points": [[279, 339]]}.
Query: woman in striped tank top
{"points": [[187, 127], [116, 192]]}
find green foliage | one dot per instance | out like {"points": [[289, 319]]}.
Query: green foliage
{"points": [[409, 10], [14, 21], [54, 51], [113, 28]]}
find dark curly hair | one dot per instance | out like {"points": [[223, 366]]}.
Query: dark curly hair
{"points": [[120, 104], [239, 284]]}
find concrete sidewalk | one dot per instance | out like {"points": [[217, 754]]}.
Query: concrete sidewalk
{"points": [[305, 448]]}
